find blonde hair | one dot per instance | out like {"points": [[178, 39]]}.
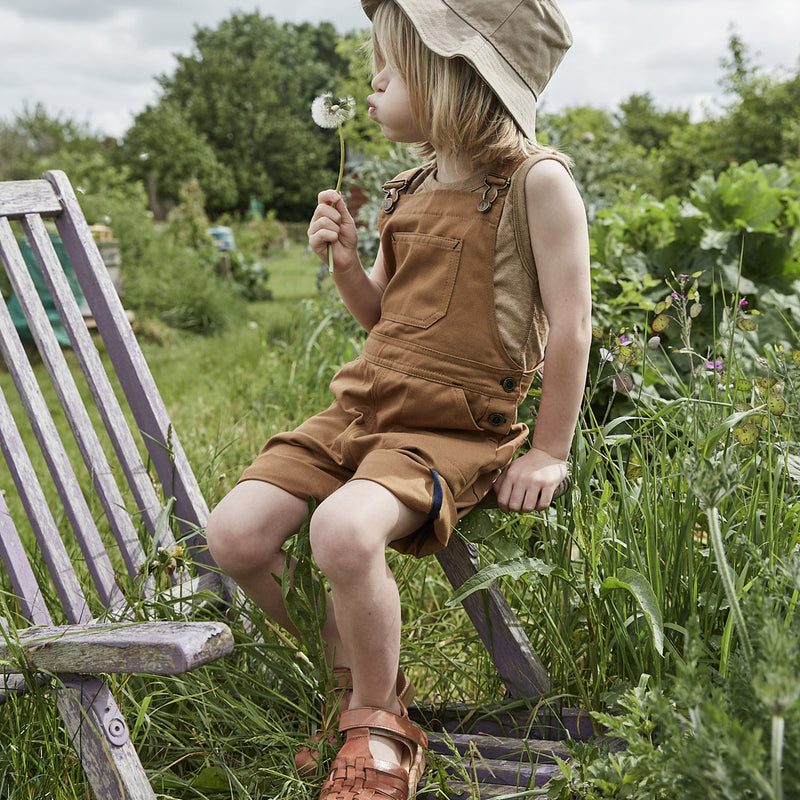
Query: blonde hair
{"points": [[449, 99]]}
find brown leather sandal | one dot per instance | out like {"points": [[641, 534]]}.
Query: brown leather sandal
{"points": [[306, 759], [356, 774]]}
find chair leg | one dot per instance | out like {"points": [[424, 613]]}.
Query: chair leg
{"points": [[99, 734], [517, 662]]}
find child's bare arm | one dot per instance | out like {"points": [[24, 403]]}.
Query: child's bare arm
{"points": [[557, 223], [332, 224]]}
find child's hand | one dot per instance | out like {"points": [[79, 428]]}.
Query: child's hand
{"points": [[529, 482], [332, 224]]}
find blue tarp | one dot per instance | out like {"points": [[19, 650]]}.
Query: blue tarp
{"points": [[44, 293]]}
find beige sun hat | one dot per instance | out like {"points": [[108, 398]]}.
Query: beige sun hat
{"points": [[514, 45]]}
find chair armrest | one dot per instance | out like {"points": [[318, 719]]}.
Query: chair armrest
{"points": [[158, 648]]}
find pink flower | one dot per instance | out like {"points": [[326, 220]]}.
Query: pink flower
{"points": [[714, 366]]}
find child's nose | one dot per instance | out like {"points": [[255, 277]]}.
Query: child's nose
{"points": [[378, 81]]}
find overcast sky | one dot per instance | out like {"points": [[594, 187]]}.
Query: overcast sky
{"points": [[95, 61]]}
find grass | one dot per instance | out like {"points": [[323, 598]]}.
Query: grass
{"points": [[230, 730], [684, 506]]}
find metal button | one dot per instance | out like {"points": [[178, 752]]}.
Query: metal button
{"points": [[508, 384], [496, 419]]}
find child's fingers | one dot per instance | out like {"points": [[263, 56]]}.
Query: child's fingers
{"points": [[329, 197]]}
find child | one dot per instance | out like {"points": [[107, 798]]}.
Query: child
{"points": [[484, 258]]}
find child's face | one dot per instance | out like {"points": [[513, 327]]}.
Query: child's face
{"points": [[391, 109]]}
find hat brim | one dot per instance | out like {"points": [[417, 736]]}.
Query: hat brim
{"points": [[448, 35]]}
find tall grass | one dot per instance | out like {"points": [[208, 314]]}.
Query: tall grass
{"points": [[684, 505]]}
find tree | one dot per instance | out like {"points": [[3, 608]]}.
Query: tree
{"points": [[164, 150], [758, 123], [247, 90], [647, 126], [362, 135], [34, 137]]}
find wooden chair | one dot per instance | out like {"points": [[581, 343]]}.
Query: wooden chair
{"points": [[75, 637], [67, 570]]}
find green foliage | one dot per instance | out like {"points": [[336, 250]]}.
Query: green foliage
{"points": [[164, 151], [370, 176], [35, 141], [246, 91], [707, 733], [188, 223], [737, 233], [362, 135]]}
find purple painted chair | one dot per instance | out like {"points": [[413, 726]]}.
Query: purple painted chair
{"points": [[75, 539]]}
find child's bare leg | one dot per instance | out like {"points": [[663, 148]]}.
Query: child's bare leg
{"points": [[349, 534], [245, 534]]}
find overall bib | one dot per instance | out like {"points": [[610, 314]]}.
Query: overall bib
{"points": [[429, 408]]}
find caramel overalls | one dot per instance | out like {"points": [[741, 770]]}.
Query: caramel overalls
{"points": [[428, 410]]}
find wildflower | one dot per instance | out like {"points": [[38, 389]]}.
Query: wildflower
{"points": [[623, 339], [675, 296], [328, 113], [605, 355], [743, 302], [714, 366]]}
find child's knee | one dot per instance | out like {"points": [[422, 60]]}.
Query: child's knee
{"points": [[341, 546], [228, 540], [248, 527]]}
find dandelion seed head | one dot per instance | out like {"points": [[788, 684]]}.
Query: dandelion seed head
{"points": [[328, 112]]}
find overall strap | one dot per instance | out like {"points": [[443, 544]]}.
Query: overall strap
{"points": [[395, 187]]}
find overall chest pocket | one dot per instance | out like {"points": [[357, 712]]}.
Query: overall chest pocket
{"points": [[420, 291]]}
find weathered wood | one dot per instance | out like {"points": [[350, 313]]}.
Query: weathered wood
{"points": [[517, 662], [99, 734], [103, 394], [481, 789], [134, 375], [66, 655], [42, 522], [13, 556], [502, 634], [503, 748], [159, 648], [69, 396], [546, 721], [18, 198]]}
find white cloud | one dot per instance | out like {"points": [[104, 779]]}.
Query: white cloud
{"points": [[97, 62]]}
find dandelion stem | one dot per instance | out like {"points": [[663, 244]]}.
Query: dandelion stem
{"points": [[338, 188], [341, 158]]}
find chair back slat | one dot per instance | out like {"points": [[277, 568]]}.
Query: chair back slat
{"points": [[44, 527], [131, 369], [97, 380], [41, 420], [23, 581], [71, 401]]}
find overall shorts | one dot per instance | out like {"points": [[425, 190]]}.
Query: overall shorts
{"points": [[428, 410]]}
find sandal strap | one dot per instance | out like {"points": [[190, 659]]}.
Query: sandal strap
{"points": [[384, 721], [364, 778]]}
